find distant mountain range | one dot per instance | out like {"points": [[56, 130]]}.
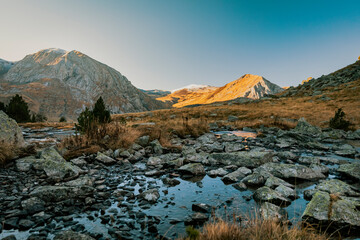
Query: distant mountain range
{"points": [[248, 86], [59, 83]]}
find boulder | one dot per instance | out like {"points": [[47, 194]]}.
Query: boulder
{"points": [[154, 161], [196, 219], [251, 159], [56, 168], [60, 193], [201, 207], [339, 187], [273, 182], [156, 147], [207, 138], [196, 169], [237, 175], [71, 235], [269, 211], [333, 212], [105, 159], [292, 171], [143, 140], [10, 132], [33, 205], [306, 128], [217, 172], [266, 194], [151, 195], [351, 170], [286, 192]]}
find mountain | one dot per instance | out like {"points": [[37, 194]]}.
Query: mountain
{"points": [[59, 83], [5, 66], [314, 86], [248, 86], [156, 93]]}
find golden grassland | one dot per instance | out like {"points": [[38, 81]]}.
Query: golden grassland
{"points": [[271, 112], [256, 229]]}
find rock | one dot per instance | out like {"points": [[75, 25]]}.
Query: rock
{"points": [[273, 182], [201, 207], [218, 172], [24, 166], [336, 186], [151, 195], [156, 147], [124, 154], [83, 181], [79, 162], [195, 169], [306, 128], [307, 160], [171, 182], [249, 159], [286, 192], [269, 211], [197, 219], [57, 170], [351, 170], [291, 171], [256, 179], [60, 193], [240, 186], [153, 173], [10, 237], [232, 118], [10, 132], [71, 235], [51, 154], [25, 224], [320, 168], [237, 175], [212, 147], [207, 138], [11, 223], [154, 161], [105, 159], [143, 140], [33, 205], [333, 212], [233, 147], [266, 194]]}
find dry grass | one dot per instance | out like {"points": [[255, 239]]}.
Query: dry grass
{"points": [[255, 230], [9, 152], [279, 112], [116, 135]]}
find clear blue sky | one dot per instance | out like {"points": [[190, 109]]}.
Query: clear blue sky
{"points": [[167, 44]]}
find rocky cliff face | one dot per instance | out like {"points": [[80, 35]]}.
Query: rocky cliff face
{"points": [[60, 83], [248, 86]]}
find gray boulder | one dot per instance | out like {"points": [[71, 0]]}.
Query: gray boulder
{"points": [[286, 192], [306, 128], [273, 182], [71, 235], [266, 194], [339, 187], [237, 175], [196, 169], [334, 212], [217, 172], [292, 171], [105, 159], [269, 211], [251, 159], [10, 132], [60, 193], [151, 195], [351, 170], [33, 205]]}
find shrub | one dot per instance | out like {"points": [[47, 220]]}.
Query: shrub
{"points": [[338, 121], [192, 233], [18, 109], [62, 119], [89, 119], [37, 117]]}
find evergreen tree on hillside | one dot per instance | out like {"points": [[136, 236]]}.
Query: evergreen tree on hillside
{"points": [[101, 114], [18, 109]]}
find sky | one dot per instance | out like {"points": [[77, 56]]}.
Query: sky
{"points": [[168, 44]]}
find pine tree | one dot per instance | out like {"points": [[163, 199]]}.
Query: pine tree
{"points": [[85, 120], [18, 109], [101, 114]]}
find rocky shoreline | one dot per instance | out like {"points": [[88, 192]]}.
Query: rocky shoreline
{"points": [[148, 191]]}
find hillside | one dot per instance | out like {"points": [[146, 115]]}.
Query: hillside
{"points": [[248, 86], [58, 83]]}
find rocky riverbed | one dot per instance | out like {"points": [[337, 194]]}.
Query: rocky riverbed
{"points": [[147, 191]]}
